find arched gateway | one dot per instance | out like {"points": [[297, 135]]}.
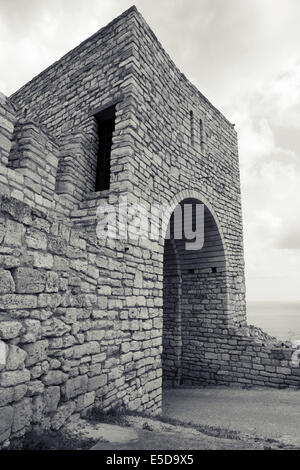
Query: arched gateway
{"points": [[194, 291]]}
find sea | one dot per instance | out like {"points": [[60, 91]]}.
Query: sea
{"points": [[280, 319]]}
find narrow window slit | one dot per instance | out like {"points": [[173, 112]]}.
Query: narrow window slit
{"points": [[106, 126], [192, 124], [201, 134]]}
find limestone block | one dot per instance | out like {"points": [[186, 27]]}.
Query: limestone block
{"points": [[42, 260], [22, 414], [6, 396], [102, 302], [54, 377], [16, 358], [97, 382], [2, 230], [50, 301], [62, 414], [283, 370], [138, 280], [29, 281], [38, 407], [7, 379], [52, 282], [36, 352], [20, 391], [98, 358], [85, 349], [115, 373], [83, 401], [75, 386], [33, 331], [14, 233], [9, 329], [6, 282], [35, 387], [17, 210], [95, 335], [36, 239], [17, 301], [9, 261], [54, 327], [51, 398], [54, 364], [6, 421]]}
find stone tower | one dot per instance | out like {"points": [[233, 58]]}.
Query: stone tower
{"points": [[86, 320]]}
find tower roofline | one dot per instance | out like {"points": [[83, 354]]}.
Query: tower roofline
{"points": [[97, 34]]}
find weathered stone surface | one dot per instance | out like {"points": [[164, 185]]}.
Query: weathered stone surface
{"points": [[14, 233], [97, 382], [76, 386], [6, 282], [6, 421], [54, 377], [35, 387], [36, 239], [9, 329], [29, 281], [83, 401], [93, 335], [62, 414], [22, 414], [52, 397], [85, 349], [15, 301], [36, 352], [33, 331], [10, 378], [52, 282], [54, 327], [43, 260], [20, 391], [16, 358], [38, 407], [6, 396], [16, 209], [51, 301]]}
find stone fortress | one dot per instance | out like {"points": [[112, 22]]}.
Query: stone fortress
{"points": [[87, 321]]}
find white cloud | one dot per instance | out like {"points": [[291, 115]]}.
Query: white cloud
{"points": [[270, 175]]}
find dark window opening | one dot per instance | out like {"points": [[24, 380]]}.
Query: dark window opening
{"points": [[201, 134], [192, 127], [106, 126]]}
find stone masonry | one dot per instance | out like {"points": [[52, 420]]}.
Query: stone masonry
{"points": [[86, 321]]}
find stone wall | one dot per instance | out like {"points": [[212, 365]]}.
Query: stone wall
{"points": [[83, 319], [77, 331]]}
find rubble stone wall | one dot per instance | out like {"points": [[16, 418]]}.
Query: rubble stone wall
{"points": [[78, 329]]}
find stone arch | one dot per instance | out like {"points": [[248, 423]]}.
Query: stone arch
{"points": [[191, 194], [195, 296]]}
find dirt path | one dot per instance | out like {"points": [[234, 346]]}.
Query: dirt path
{"points": [[264, 413]]}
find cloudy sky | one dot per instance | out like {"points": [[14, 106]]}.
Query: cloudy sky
{"points": [[244, 55]]}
